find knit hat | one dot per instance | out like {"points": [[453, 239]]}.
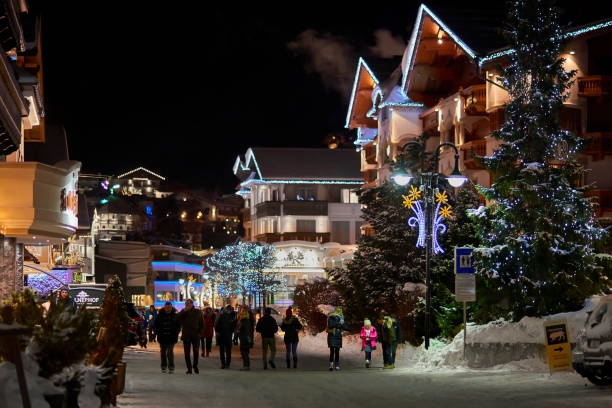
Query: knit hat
{"points": [[367, 322]]}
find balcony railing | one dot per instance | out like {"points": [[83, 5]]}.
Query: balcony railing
{"points": [[294, 236], [476, 100], [304, 207], [595, 85], [603, 198], [268, 208], [600, 145], [472, 149]]}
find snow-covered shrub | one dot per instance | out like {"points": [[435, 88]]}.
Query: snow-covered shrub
{"points": [[308, 297]]}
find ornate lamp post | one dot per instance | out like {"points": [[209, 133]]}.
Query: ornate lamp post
{"points": [[428, 220]]}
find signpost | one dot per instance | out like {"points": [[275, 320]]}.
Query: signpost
{"points": [[465, 283], [91, 294], [558, 350]]}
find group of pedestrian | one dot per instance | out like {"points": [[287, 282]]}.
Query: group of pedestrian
{"points": [[197, 328]]}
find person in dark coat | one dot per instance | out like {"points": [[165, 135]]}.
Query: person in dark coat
{"points": [[387, 333], [335, 325], [399, 337], [192, 325], [150, 317], [64, 297], [245, 330], [167, 329], [207, 333], [267, 327], [291, 325], [224, 327]]}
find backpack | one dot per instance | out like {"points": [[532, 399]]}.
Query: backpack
{"points": [[331, 330]]}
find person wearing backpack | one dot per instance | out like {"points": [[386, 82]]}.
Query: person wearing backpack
{"points": [[335, 325], [291, 325]]}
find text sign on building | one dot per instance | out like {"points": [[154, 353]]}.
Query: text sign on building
{"points": [[558, 350], [465, 279], [90, 294]]}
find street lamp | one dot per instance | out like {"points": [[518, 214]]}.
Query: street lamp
{"points": [[428, 221]]}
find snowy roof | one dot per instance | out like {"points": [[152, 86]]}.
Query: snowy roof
{"points": [[299, 164]]}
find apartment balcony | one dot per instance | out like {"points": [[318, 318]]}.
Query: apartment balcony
{"points": [[600, 145], [268, 209], [471, 149], [475, 100], [604, 200], [370, 153], [269, 238], [322, 237], [304, 207], [595, 86]]}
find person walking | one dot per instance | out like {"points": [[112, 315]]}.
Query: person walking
{"points": [[291, 325], [167, 329], [388, 337], [224, 327], [267, 327], [399, 337], [245, 327], [192, 325], [368, 340], [207, 333], [335, 325], [150, 317], [64, 297]]}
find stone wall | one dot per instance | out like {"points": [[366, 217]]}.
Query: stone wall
{"points": [[11, 267]]}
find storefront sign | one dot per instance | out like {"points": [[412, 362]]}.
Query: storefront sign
{"points": [[90, 294]]}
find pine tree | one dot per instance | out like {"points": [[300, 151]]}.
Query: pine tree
{"points": [[540, 230]]}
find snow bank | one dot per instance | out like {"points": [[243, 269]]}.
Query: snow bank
{"points": [[10, 395]]}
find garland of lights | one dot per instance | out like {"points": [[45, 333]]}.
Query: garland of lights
{"points": [[413, 202]]}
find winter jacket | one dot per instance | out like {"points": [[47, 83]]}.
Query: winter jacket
{"points": [[387, 330], [166, 327], [335, 325], [192, 323], [291, 326], [245, 329], [225, 326], [209, 323], [150, 317], [373, 337], [267, 326], [399, 336]]}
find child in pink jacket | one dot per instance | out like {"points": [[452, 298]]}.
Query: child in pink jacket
{"points": [[368, 340]]}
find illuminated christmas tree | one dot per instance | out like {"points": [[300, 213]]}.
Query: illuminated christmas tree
{"points": [[540, 231]]}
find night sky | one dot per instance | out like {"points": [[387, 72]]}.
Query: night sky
{"points": [[182, 91]]}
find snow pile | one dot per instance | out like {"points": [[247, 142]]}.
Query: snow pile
{"points": [[10, 395]]}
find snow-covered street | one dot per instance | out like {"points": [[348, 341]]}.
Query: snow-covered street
{"points": [[312, 385]]}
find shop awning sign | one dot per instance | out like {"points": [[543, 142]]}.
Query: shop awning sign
{"points": [[91, 295]]}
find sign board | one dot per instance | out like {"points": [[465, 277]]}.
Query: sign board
{"points": [[91, 294], [465, 279], [558, 350], [464, 260]]}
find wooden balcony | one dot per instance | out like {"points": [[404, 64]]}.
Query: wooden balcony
{"points": [[471, 149], [595, 86], [603, 198], [304, 207], [600, 145], [322, 237], [475, 100], [268, 209], [370, 153], [496, 119]]}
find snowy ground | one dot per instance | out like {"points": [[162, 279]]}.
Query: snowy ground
{"points": [[416, 382]]}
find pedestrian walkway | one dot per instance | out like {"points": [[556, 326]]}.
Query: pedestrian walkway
{"points": [[312, 385]]}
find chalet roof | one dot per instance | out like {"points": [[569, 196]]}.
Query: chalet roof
{"points": [[141, 171], [299, 164]]}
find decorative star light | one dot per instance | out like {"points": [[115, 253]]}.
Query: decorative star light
{"points": [[415, 193], [445, 211], [408, 201], [441, 197], [413, 202]]}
